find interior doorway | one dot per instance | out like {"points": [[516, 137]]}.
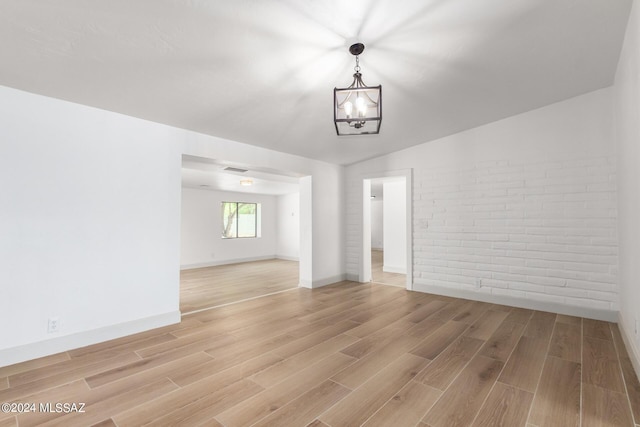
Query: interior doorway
{"points": [[240, 233], [386, 235], [378, 273]]}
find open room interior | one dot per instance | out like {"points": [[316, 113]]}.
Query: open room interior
{"points": [[240, 233], [210, 214]]}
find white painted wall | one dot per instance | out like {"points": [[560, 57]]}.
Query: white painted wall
{"points": [[89, 225], [288, 227], [526, 204], [627, 119], [377, 226], [394, 228], [201, 225], [90, 221]]}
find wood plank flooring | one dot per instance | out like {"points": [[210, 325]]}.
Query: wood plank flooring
{"points": [[344, 355], [201, 288]]}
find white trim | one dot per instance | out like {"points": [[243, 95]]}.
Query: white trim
{"points": [[632, 350], [353, 277], [554, 307], [364, 264], [305, 284], [288, 258], [409, 196], [394, 269], [226, 262], [10, 356], [328, 281]]}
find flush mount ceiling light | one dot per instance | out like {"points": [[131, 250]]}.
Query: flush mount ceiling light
{"points": [[246, 182], [357, 109]]}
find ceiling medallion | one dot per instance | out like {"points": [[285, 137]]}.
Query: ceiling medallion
{"points": [[357, 109]]}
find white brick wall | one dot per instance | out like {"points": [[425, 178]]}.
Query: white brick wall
{"points": [[526, 204], [544, 231]]}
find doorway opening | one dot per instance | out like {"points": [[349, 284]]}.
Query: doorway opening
{"points": [[386, 235], [240, 233]]}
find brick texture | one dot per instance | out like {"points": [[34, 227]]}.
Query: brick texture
{"points": [[543, 231]]}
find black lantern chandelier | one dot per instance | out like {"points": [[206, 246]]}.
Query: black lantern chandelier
{"points": [[357, 109]]}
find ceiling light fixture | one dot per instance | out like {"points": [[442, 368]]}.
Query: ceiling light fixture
{"points": [[246, 182], [357, 109]]}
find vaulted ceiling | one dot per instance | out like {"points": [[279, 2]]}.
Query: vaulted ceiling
{"points": [[262, 71]]}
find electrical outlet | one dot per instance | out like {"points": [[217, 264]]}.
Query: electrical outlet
{"points": [[53, 325], [478, 283]]}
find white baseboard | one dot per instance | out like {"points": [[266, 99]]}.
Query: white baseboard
{"points": [[328, 281], [323, 282], [632, 350], [394, 269], [571, 310], [226, 262], [353, 277], [288, 258], [305, 284], [10, 356]]}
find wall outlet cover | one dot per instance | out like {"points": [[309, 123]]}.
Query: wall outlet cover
{"points": [[53, 325]]}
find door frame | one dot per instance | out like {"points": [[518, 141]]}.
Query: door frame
{"points": [[364, 271]]}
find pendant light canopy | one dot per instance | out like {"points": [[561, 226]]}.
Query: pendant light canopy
{"points": [[357, 108]]}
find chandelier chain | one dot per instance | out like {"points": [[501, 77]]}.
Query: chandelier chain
{"points": [[357, 67]]}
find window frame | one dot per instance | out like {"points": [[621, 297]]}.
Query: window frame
{"points": [[237, 217]]}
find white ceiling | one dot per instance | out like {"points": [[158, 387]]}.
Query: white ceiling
{"points": [[205, 174], [262, 71]]}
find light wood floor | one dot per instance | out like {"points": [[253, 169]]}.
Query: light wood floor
{"points": [[343, 355], [379, 276], [201, 288]]}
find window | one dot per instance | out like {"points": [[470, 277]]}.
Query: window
{"points": [[239, 220]]}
